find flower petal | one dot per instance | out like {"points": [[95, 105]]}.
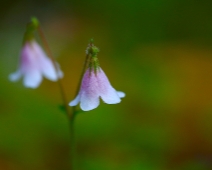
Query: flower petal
{"points": [[107, 92], [88, 102], [111, 96], [32, 78], [75, 101], [121, 94], [15, 76], [60, 73], [46, 65], [89, 92], [48, 69]]}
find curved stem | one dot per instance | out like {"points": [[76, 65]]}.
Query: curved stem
{"points": [[70, 114], [62, 91]]}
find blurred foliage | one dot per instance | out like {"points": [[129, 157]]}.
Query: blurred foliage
{"points": [[157, 52]]}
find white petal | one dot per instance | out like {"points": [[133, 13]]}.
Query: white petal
{"points": [[32, 78], [60, 73], [48, 69], [110, 96], [120, 94], [75, 101], [106, 91], [89, 91], [46, 64], [88, 102], [15, 76]]}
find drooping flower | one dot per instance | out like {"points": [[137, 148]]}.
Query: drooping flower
{"points": [[34, 63], [95, 85]]}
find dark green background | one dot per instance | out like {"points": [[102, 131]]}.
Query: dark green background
{"points": [[157, 51]]}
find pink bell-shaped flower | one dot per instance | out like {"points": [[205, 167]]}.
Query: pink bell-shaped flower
{"points": [[34, 64], [95, 86]]}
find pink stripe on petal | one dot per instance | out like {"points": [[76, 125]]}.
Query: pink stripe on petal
{"points": [[29, 62], [30, 67], [90, 84], [89, 92], [28, 58]]}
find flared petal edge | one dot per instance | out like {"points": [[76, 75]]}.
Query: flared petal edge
{"points": [[32, 79], [15, 76], [121, 94], [110, 96], [88, 102], [75, 101]]}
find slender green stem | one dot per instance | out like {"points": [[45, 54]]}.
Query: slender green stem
{"points": [[71, 115], [74, 108], [62, 91]]}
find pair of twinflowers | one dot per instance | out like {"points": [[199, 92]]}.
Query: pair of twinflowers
{"points": [[34, 64]]}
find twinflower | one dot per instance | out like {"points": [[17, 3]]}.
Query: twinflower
{"points": [[95, 85], [34, 63]]}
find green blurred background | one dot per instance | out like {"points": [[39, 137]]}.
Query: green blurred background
{"points": [[157, 51]]}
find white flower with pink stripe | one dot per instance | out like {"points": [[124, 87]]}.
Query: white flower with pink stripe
{"points": [[93, 87], [34, 64]]}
